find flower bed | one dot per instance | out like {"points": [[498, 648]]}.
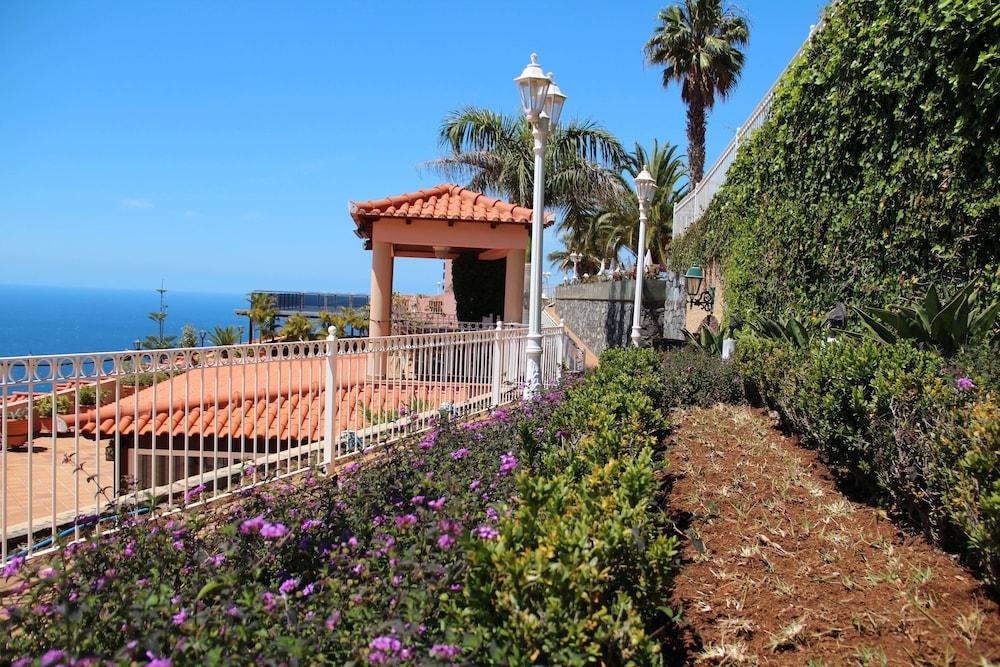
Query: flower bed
{"points": [[410, 559]]}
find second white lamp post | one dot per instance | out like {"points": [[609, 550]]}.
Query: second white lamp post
{"points": [[542, 103], [645, 185]]}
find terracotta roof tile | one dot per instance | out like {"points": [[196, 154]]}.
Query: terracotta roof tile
{"points": [[442, 202], [292, 412]]}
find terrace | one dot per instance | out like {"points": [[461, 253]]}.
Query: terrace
{"points": [[165, 421]]}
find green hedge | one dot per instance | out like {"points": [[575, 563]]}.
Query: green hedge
{"points": [[581, 570], [879, 169], [903, 425]]}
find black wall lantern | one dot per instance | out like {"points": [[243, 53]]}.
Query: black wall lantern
{"points": [[836, 319], [693, 280]]}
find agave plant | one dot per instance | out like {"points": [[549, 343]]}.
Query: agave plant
{"points": [[787, 329], [942, 322], [706, 340]]}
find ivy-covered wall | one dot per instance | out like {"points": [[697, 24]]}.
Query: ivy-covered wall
{"points": [[478, 286], [878, 171]]}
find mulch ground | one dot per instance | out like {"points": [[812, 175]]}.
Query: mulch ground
{"points": [[783, 569]]}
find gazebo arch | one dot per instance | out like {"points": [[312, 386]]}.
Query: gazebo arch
{"points": [[441, 222]]}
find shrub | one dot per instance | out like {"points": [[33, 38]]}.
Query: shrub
{"points": [[43, 406], [902, 426], [691, 377], [88, 395], [877, 168], [580, 571]]}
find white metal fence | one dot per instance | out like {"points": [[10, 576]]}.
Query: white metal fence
{"points": [[693, 205], [88, 436]]}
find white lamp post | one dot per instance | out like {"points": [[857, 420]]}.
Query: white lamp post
{"points": [[542, 103], [575, 257], [644, 188]]}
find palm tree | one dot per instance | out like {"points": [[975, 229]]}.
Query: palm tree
{"points": [[667, 169], [297, 327], [697, 43], [262, 313], [495, 153], [224, 336]]}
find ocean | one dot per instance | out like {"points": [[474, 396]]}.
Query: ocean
{"points": [[64, 320]]}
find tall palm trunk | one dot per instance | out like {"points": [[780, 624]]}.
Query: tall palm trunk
{"points": [[696, 140]]}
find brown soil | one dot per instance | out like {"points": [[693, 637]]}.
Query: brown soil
{"points": [[793, 573]]}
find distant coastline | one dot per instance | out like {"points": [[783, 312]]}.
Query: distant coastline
{"points": [[64, 320]]}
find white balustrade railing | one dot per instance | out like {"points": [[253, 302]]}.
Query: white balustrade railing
{"points": [[693, 205], [86, 437]]}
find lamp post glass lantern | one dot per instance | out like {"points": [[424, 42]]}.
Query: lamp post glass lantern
{"points": [[693, 280], [645, 185], [542, 103]]}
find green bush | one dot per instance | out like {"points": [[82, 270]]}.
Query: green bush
{"points": [[43, 406], [580, 571], [88, 395], [878, 168], [692, 377], [911, 432]]}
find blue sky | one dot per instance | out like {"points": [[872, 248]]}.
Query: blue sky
{"points": [[216, 145]]}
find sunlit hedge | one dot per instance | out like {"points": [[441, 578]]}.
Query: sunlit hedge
{"points": [[878, 170]]}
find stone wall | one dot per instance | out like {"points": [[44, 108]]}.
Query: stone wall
{"points": [[600, 314]]}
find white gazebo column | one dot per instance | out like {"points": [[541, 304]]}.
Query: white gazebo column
{"points": [[380, 304], [513, 289]]}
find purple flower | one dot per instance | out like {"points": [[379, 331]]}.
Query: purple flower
{"points": [[157, 662], [11, 568], [194, 493], [309, 524], [385, 643], [508, 462], [487, 532], [405, 520], [436, 504], [416, 500], [52, 657], [333, 620], [268, 600], [445, 541], [273, 530], [180, 617], [252, 525], [965, 383], [249, 470], [459, 453], [308, 590], [233, 612], [47, 573], [474, 484], [445, 651], [217, 559]]}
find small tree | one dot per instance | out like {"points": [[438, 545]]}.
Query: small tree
{"points": [[189, 337], [297, 327], [224, 336], [263, 312]]}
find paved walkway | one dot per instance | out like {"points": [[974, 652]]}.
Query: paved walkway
{"points": [[34, 470]]}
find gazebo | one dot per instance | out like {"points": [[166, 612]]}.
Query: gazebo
{"points": [[441, 222]]}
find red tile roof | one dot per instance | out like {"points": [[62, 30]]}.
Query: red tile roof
{"points": [[442, 202], [274, 400]]}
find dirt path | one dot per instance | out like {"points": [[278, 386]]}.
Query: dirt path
{"points": [[794, 573]]}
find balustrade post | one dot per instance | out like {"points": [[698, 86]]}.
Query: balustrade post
{"points": [[560, 351], [330, 398], [497, 363]]}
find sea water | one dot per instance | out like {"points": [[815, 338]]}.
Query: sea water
{"points": [[64, 320]]}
